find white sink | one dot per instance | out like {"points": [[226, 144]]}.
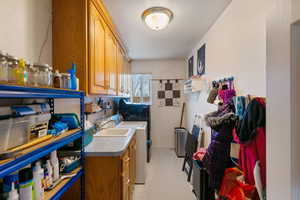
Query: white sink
{"points": [[113, 132]]}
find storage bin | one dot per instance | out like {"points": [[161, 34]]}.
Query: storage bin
{"points": [[19, 131], [200, 182], [39, 126], [5, 126]]}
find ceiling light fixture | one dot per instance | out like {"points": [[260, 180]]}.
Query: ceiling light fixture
{"points": [[157, 18]]}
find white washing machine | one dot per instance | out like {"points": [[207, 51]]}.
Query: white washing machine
{"points": [[141, 148]]}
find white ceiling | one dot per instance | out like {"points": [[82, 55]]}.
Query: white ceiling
{"points": [[192, 19]]}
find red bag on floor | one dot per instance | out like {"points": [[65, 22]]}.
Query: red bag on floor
{"points": [[232, 188]]}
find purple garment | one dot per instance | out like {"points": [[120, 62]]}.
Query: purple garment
{"points": [[217, 157]]}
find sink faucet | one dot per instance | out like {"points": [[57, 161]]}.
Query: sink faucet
{"points": [[100, 126]]}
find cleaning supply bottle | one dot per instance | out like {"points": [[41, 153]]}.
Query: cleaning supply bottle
{"points": [[7, 183], [50, 172], [55, 165], [13, 194], [38, 175], [26, 184], [72, 73]]}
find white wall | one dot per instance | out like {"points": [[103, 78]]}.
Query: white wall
{"points": [[163, 119], [279, 116], [295, 109], [23, 28], [295, 10], [235, 46], [283, 164]]}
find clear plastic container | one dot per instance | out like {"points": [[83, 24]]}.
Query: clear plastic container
{"points": [[5, 127], [19, 132], [3, 67], [39, 127], [42, 118]]}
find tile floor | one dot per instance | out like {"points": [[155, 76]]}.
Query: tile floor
{"points": [[165, 180]]}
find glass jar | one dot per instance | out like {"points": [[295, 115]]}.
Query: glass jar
{"points": [[13, 65], [65, 80], [44, 74], [32, 75], [3, 67], [57, 83]]}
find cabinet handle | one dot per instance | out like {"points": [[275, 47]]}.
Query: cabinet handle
{"points": [[127, 159], [128, 182]]}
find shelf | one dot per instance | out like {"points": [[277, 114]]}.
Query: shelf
{"points": [[62, 187], [31, 154], [194, 85], [15, 91]]}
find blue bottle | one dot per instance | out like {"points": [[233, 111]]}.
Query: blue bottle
{"points": [[73, 78]]}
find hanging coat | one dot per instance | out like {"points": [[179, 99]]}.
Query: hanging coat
{"points": [[217, 157], [252, 138]]}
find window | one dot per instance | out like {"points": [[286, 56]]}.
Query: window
{"points": [[141, 88]]}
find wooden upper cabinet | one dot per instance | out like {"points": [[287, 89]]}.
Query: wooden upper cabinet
{"points": [[96, 52], [68, 38], [111, 62], [83, 33]]}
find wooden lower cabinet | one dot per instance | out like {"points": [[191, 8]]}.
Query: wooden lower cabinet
{"points": [[111, 178]]}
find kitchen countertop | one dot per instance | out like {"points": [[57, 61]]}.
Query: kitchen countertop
{"points": [[109, 146]]}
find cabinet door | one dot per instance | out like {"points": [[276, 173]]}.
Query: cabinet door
{"points": [[96, 52], [120, 64], [132, 167], [126, 175], [111, 62]]}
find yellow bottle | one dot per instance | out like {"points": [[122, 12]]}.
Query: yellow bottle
{"points": [[21, 73]]}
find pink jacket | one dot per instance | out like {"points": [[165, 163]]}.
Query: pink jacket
{"points": [[251, 152]]}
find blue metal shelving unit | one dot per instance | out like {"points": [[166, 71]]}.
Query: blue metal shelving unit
{"points": [[20, 92]]}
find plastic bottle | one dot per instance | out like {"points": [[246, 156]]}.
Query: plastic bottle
{"points": [[38, 175], [72, 73], [21, 72], [7, 184], [13, 194], [50, 172], [26, 184], [55, 165]]}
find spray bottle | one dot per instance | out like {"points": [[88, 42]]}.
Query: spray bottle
{"points": [[72, 73]]}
